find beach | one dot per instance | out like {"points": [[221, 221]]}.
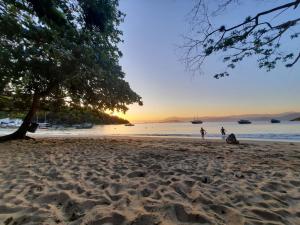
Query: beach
{"points": [[145, 181]]}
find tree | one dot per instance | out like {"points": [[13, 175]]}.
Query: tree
{"points": [[62, 52], [261, 35]]}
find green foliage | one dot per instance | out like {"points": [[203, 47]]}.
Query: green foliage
{"points": [[5, 103], [63, 52], [5, 114], [296, 119], [69, 116]]}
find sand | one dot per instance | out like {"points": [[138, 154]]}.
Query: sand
{"points": [[145, 181]]}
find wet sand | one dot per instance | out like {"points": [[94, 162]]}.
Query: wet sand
{"points": [[145, 181]]}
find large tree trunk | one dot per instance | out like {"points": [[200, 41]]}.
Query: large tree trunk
{"points": [[22, 130]]}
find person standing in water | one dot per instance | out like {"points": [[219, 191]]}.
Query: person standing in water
{"points": [[202, 132], [223, 131]]}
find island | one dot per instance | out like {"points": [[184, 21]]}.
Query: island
{"points": [[296, 119]]}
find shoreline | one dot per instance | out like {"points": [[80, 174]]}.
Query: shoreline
{"points": [[191, 137], [96, 136], [244, 140], [283, 132]]}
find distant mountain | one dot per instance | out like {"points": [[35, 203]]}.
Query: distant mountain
{"points": [[253, 117]]}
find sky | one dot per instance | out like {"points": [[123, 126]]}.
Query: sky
{"points": [[151, 60]]}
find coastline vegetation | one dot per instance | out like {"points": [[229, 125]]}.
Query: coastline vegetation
{"points": [[69, 116], [296, 119]]}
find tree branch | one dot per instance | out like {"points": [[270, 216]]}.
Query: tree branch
{"points": [[251, 37], [294, 62]]}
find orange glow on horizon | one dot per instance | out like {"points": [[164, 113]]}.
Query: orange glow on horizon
{"points": [[141, 114]]}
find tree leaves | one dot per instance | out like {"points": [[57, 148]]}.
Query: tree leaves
{"points": [[65, 50]]}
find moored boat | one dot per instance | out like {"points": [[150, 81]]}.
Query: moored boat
{"points": [[244, 122], [10, 123], [87, 125], [275, 121], [196, 121]]}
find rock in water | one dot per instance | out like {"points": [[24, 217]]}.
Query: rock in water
{"points": [[231, 139]]}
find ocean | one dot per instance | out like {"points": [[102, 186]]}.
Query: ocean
{"points": [[260, 130]]}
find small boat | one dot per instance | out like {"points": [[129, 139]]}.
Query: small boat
{"points": [[244, 122], [196, 121], [275, 121], [129, 125], [10, 123], [87, 125]]}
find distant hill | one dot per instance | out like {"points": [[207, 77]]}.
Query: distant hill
{"points": [[297, 119], [287, 116]]}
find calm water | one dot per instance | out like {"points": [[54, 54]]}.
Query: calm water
{"points": [[285, 131]]}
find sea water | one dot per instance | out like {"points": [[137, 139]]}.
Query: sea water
{"points": [[258, 130]]}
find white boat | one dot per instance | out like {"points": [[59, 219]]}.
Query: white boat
{"points": [[4, 122], [10, 123]]}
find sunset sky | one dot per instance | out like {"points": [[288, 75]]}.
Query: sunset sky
{"points": [[151, 61]]}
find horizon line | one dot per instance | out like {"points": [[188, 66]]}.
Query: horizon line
{"points": [[212, 117]]}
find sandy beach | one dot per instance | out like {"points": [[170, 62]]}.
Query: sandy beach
{"points": [[145, 181]]}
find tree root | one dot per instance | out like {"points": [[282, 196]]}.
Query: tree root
{"points": [[13, 136]]}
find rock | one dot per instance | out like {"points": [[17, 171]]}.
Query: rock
{"points": [[231, 139]]}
